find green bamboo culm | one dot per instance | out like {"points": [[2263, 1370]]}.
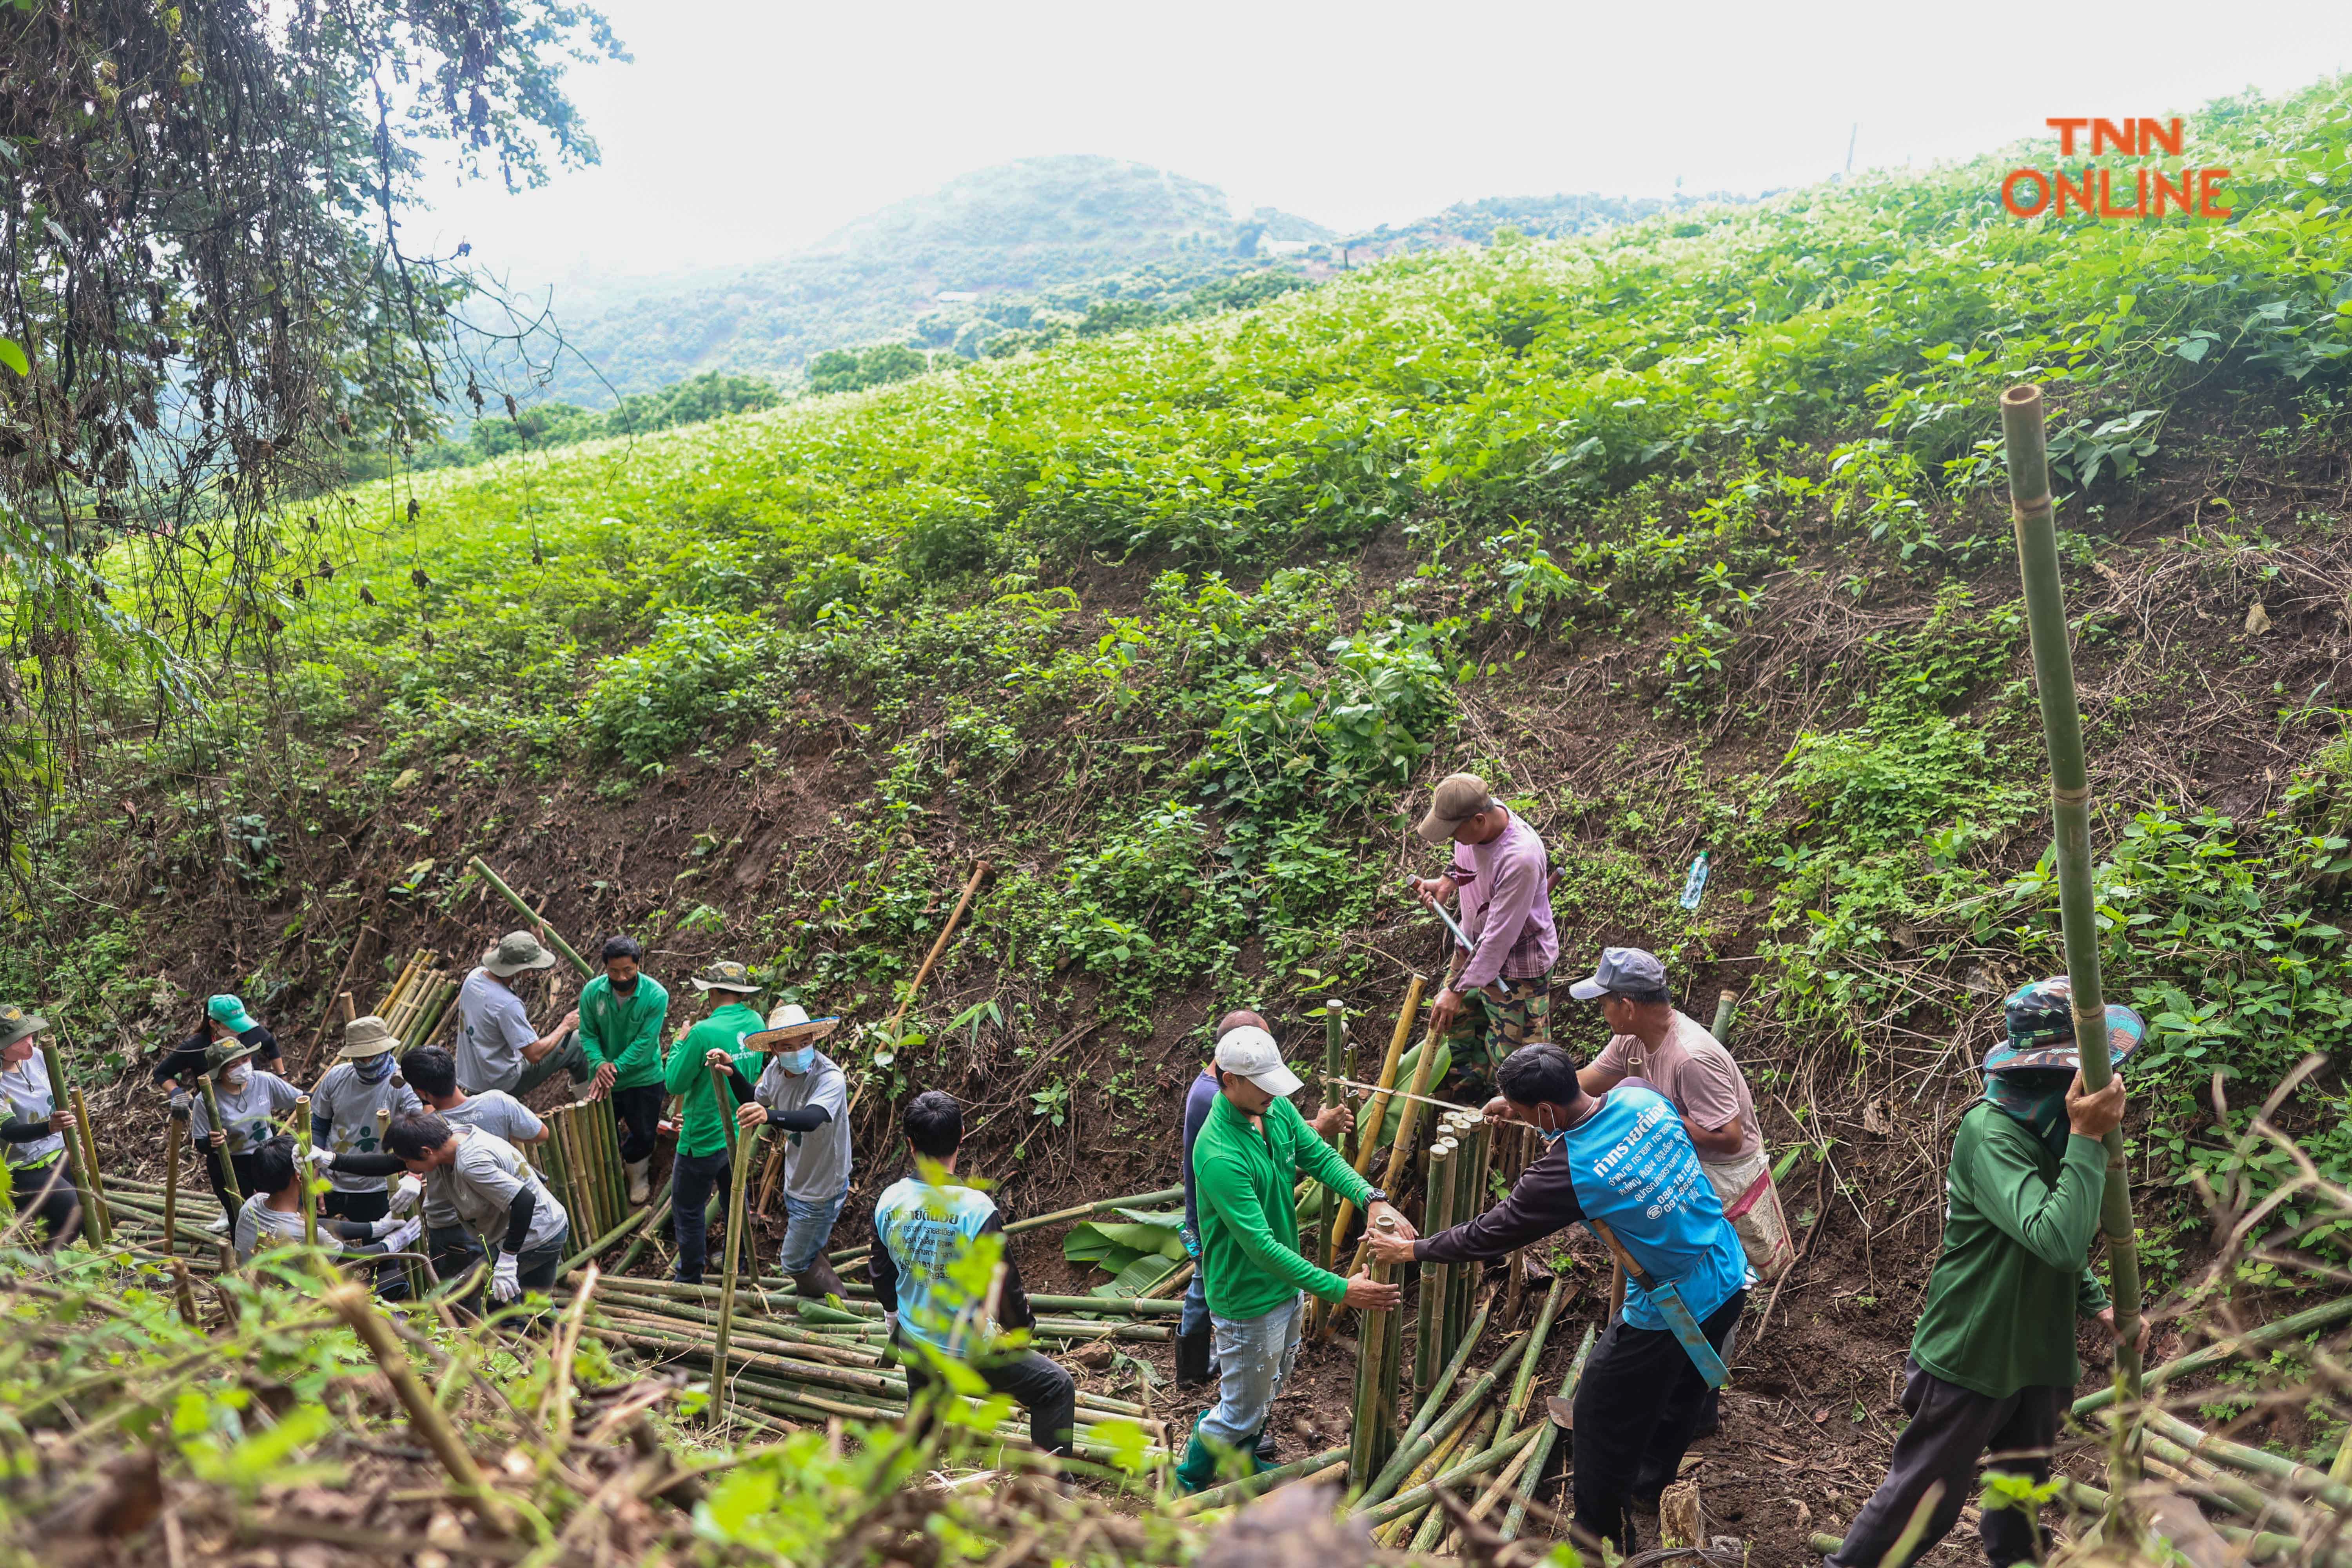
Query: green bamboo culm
{"points": [[1335, 1067], [2070, 810]]}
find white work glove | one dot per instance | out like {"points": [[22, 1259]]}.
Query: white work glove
{"points": [[890, 1323], [398, 1234], [505, 1282], [320, 1158], [406, 1195]]}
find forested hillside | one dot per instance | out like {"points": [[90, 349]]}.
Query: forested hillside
{"points": [[1689, 535]]}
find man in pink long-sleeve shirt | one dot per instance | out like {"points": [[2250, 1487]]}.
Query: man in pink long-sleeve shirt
{"points": [[1503, 876]]}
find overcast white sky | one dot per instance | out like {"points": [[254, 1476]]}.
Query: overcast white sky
{"points": [[745, 129]]}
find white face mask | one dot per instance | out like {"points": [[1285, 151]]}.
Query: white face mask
{"points": [[237, 1077]]}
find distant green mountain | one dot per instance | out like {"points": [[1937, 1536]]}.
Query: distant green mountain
{"points": [[1024, 229]]}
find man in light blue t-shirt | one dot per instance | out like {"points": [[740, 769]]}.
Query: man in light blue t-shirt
{"points": [[1622, 1159], [924, 1227]]}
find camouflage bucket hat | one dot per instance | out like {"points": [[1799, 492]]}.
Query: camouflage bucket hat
{"points": [[726, 975], [2040, 1020], [15, 1023], [222, 1053], [516, 951]]}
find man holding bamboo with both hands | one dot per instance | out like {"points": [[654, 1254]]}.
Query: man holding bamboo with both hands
{"points": [[1501, 876]]}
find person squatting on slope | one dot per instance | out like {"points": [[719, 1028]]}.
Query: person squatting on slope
{"points": [[1330, 1123], [622, 1013], [804, 1096], [251, 1100], [1623, 1159], [1992, 1364], [497, 1046], [1502, 876], [497, 1194], [273, 1213], [1251, 1153], [40, 1163], [344, 1116], [925, 1226], [701, 1166]]}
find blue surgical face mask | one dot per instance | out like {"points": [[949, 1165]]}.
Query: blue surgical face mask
{"points": [[375, 1069], [1550, 1134], [798, 1061]]}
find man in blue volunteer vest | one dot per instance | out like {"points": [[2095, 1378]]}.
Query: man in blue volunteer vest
{"points": [[1622, 1159]]}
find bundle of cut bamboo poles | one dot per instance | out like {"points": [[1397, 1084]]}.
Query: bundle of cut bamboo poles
{"points": [[580, 1161], [418, 1002]]}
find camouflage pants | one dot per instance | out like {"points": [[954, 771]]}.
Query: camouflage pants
{"points": [[1486, 1030]]}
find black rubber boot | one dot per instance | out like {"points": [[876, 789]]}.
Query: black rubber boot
{"points": [[1265, 1446], [1192, 1367]]}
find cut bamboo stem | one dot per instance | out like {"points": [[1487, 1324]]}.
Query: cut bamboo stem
{"points": [[172, 1141], [2293, 1326], [2023, 438], [739, 1166], [1368, 1132], [1335, 1067], [96, 1177], [1427, 1358], [914, 987], [350, 1302], [1257, 1485], [61, 1101], [554, 938], [1372, 1437], [1547, 1436], [308, 1176], [228, 1167], [1446, 1426], [1478, 1465]]}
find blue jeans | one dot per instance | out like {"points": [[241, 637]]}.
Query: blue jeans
{"points": [[1196, 1307], [807, 1227], [1254, 1356]]}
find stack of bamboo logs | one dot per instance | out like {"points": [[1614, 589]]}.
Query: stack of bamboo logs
{"points": [[581, 1161], [418, 1002]]}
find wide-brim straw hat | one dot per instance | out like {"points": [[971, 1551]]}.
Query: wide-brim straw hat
{"points": [[790, 1025], [367, 1037], [15, 1023], [727, 975], [516, 951]]}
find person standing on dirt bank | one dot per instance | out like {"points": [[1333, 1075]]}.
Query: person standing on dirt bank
{"points": [[1652, 1039], [805, 1098], [250, 1101], [1251, 1153], [622, 1012], [40, 1167], [497, 1046], [700, 1163], [1193, 1329], [1501, 873], [224, 1018], [497, 1197], [1623, 1159], [924, 1227], [344, 1115], [1992, 1364]]}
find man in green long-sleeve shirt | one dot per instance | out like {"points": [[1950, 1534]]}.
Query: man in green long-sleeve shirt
{"points": [[701, 1162], [1247, 1160], [622, 1012], [1992, 1364]]}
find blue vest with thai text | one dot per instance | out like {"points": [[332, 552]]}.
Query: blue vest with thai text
{"points": [[1636, 1172], [928, 1230]]}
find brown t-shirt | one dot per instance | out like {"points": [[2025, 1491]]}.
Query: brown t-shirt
{"points": [[1692, 1068]]}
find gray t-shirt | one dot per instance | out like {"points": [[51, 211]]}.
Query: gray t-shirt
{"points": [[346, 1104], [257, 1221], [492, 1030], [27, 1088], [497, 1114], [245, 1114], [480, 1184], [816, 1164]]}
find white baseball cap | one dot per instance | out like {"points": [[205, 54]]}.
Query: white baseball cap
{"points": [[1251, 1053]]}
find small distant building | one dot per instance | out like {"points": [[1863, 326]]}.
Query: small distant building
{"points": [[955, 296], [1283, 247]]}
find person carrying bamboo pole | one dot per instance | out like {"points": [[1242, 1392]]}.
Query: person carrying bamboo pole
{"points": [[1251, 1153], [343, 1117], [926, 1229], [805, 1097], [622, 1013], [1501, 875], [1992, 1364], [497, 1046], [700, 1163], [250, 1101], [1622, 1162], [497, 1194], [38, 1148], [1192, 1353], [273, 1215]]}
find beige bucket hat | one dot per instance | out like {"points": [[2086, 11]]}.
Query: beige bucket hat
{"points": [[368, 1036]]}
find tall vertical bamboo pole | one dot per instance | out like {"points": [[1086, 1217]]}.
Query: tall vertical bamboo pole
{"points": [[1373, 1437], [548, 933], [1426, 1358], [172, 1141], [59, 1100], [303, 1173], [1335, 1067], [2069, 813], [96, 1178], [1726, 1003], [228, 1167], [1368, 1131], [739, 1166]]}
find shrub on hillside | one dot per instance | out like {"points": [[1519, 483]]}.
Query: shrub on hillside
{"points": [[704, 673]]}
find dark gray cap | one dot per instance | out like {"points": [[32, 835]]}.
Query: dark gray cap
{"points": [[1621, 969]]}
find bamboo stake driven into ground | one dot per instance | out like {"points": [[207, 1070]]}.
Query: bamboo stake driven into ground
{"points": [[1368, 1132]]}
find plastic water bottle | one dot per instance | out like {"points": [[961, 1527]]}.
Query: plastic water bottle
{"points": [[1695, 885]]}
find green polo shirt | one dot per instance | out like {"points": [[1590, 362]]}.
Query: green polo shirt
{"points": [[699, 1130], [2019, 1220], [624, 1031], [1245, 1180]]}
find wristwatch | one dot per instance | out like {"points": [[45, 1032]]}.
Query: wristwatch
{"points": [[1377, 1197]]}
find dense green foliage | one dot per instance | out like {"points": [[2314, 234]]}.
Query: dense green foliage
{"points": [[1647, 451]]}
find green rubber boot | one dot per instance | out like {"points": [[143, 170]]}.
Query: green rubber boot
{"points": [[1200, 1466]]}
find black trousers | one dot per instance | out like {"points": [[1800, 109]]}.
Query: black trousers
{"points": [[362, 1206], [243, 1164], [1950, 1429], [1636, 1407], [48, 1196], [638, 1112], [693, 1178], [1038, 1384]]}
